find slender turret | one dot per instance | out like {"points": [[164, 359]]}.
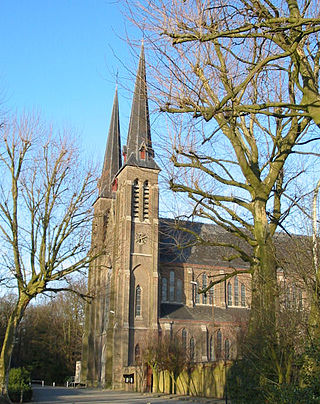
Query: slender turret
{"points": [[112, 158], [138, 151]]}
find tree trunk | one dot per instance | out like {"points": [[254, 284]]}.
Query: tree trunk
{"points": [[314, 318], [8, 344], [264, 280]]}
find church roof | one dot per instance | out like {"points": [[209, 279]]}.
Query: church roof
{"points": [[139, 150], [178, 246], [203, 313], [112, 158]]}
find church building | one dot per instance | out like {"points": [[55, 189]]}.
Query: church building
{"points": [[144, 287]]}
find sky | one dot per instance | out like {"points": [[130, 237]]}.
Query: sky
{"points": [[62, 58]]}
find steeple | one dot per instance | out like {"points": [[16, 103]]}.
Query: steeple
{"points": [[138, 151], [112, 158]]}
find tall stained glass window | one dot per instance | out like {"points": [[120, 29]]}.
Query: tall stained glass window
{"points": [[236, 291]]}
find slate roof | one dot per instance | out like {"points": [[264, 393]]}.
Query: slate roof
{"points": [[203, 313], [178, 246], [139, 134], [112, 158]]}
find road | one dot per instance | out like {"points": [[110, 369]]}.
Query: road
{"points": [[62, 395]]}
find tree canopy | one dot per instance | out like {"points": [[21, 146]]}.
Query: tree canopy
{"points": [[239, 83]]}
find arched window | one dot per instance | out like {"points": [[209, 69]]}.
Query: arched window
{"points": [[236, 291], [211, 295], [300, 303], [219, 344], [204, 285], [135, 199], [171, 287], [137, 356], [138, 301], [184, 339], [179, 290], [211, 348], [192, 349], [197, 294], [164, 289], [229, 292], [294, 296], [287, 297], [227, 349], [243, 295], [146, 200]]}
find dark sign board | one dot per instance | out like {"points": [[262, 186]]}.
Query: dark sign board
{"points": [[129, 378]]}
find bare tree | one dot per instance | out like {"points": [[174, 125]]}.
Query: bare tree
{"points": [[239, 80], [167, 354], [45, 211]]}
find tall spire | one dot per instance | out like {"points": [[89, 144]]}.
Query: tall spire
{"points": [[112, 158], [139, 150]]}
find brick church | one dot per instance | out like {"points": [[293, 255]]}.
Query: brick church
{"points": [[143, 286]]}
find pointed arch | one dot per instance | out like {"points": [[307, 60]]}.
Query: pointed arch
{"points": [[227, 349], [197, 296], [300, 301], [236, 291], [219, 344], [192, 355], [294, 296], [164, 291], [211, 296], [137, 354], [211, 349], [229, 294], [171, 286], [204, 285], [138, 301], [243, 295], [179, 290], [184, 339]]}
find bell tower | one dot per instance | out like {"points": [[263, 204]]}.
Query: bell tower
{"points": [[123, 281], [100, 272], [136, 257]]}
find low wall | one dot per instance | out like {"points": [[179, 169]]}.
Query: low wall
{"points": [[205, 380]]}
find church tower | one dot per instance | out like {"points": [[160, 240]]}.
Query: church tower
{"points": [[123, 313], [99, 279], [136, 258]]}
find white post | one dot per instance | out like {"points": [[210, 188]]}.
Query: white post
{"points": [[42, 383], [54, 384]]}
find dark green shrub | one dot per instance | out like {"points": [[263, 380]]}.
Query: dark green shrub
{"points": [[19, 385], [243, 383], [290, 394]]}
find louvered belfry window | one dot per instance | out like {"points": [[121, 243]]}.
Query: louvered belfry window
{"points": [[146, 200], [135, 199]]}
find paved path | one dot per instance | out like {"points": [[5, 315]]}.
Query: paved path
{"points": [[53, 395]]}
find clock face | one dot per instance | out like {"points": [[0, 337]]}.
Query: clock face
{"points": [[141, 238]]}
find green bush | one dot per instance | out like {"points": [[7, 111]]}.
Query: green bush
{"points": [[290, 394], [243, 383], [19, 385]]}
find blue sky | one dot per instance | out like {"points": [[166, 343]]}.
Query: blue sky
{"points": [[61, 57]]}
